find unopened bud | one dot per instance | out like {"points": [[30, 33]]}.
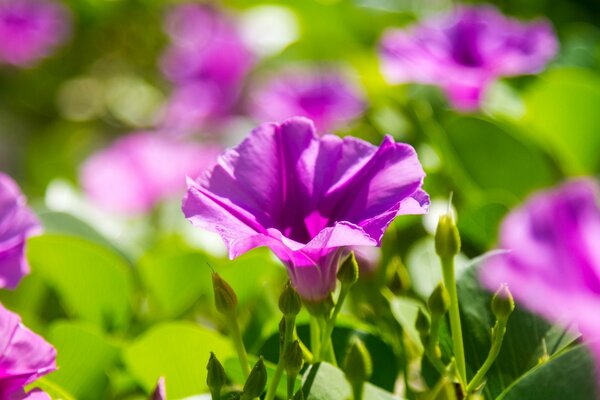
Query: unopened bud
{"points": [[216, 378], [398, 279], [447, 237], [348, 272], [289, 301], [293, 359], [225, 298], [282, 325], [256, 382], [357, 366], [439, 301], [422, 323], [503, 303], [160, 392]]}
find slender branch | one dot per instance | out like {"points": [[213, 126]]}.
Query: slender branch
{"points": [[238, 342], [454, 313]]}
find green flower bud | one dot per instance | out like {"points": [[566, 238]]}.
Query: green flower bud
{"points": [[439, 301], [357, 365], [293, 359], [289, 301], [447, 237], [225, 298], [398, 279], [348, 272], [503, 303], [216, 378], [422, 323], [282, 325], [256, 382]]}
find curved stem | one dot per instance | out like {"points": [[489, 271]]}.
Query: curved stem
{"points": [[454, 313], [327, 349], [236, 336], [315, 339], [498, 332], [290, 325]]}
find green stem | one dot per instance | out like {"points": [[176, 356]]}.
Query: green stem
{"points": [[291, 385], [290, 324], [315, 339], [431, 344], [358, 390], [236, 336], [455, 326], [327, 349], [498, 332], [215, 394]]}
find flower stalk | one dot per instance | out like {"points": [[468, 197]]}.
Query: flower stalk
{"points": [[447, 246]]}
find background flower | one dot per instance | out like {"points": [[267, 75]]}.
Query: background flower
{"points": [[307, 198], [465, 50], [553, 264], [323, 95], [141, 169], [30, 30], [17, 222]]}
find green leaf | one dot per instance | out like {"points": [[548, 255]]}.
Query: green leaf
{"points": [[175, 280], [84, 357], [93, 283], [569, 375], [325, 382], [562, 110], [497, 158], [178, 351]]}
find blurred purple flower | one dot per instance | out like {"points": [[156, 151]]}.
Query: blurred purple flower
{"points": [[141, 169], [30, 30], [160, 392], [323, 96], [553, 263], [17, 222], [307, 198], [463, 52], [208, 59], [25, 357]]}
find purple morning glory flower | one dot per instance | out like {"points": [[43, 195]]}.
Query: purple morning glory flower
{"points": [[553, 263], [17, 222], [141, 169], [25, 357], [323, 96], [207, 61], [30, 30], [466, 50], [307, 198]]}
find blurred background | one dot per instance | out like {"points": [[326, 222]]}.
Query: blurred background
{"points": [[121, 68]]}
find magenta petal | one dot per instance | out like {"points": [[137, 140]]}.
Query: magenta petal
{"points": [[306, 197], [25, 355], [35, 394]]}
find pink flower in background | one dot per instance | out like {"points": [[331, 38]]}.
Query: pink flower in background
{"points": [[141, 169], [25, 357], [307, 198], [464, 51], [208, 59], [323, 96], [30, 30], [17, 222], [553, 263]]}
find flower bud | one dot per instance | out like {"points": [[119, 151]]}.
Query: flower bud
{"points": [[293, 359], [503, 303], [216, 378], [439, 301], [282, 325], [160, 393], [357, 365], [447, 237], [289, 301], [348, 272], [422, 323], [398, 279], [225, 298], [256, 382]]}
